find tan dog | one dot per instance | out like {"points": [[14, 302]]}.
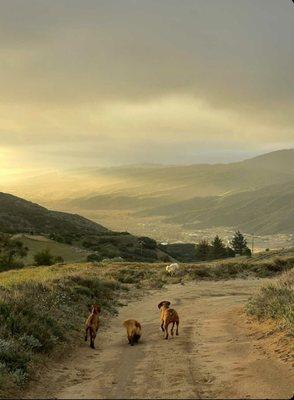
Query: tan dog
{"points": [[134, 330], [92, 324], [168, 316]]}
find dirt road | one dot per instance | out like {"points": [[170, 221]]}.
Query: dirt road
{"points": [[214, 356]]}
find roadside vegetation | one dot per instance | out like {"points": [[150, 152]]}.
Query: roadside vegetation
{"points": [[19, 250], [43, 308], [207, 251], [275, 301], [42, 311]]}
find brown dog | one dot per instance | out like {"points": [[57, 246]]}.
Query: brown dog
{"points": [[134, 330], [92, 324], [168, 316]]}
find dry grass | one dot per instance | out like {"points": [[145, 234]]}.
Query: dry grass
{"points": [[275, 301], [43, 310]]}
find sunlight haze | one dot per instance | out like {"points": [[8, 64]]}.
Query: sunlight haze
{"points": [[108, 83]]}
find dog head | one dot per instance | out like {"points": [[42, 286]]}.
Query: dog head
{"points": [[164, 303], [96, 309]]}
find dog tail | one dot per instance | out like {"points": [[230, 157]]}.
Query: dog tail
{"points": [[138, 325]]}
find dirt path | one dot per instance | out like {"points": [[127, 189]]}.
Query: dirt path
{"points": [[214, 356]]}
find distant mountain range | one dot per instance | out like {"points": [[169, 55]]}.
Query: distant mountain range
{"points": [[263, 211], [255, 195]]}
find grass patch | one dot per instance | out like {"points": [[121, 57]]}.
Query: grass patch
{"points": [[275, 301], [232, 270]]}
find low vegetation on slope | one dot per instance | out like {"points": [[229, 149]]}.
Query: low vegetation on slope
{"points": [[18, 216], [43, 309], [276, 301]]}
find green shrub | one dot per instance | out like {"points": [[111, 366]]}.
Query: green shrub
{"points": [[44, 257], [94, 257]]}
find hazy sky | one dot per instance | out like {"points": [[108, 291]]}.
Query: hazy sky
{"points": [[92, 82]]}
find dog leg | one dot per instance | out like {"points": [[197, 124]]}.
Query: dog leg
{"points": [[92, 339], [166, 331], [177, 330], [162, 326], [172, 329]]}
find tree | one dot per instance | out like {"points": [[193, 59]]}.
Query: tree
{"points": [[44, 257], [239, 244], [10, 250], [217, 249], [202, 250], [247, 252], [230, 252], [147, 242]]}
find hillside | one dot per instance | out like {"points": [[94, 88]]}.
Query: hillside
{"points": [[21, 216], [18, 215], [35, 244], [147, 186], [264, 211]]}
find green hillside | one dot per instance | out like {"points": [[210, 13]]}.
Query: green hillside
{"points": [[21, 216], [18, 215], [35, 244]]}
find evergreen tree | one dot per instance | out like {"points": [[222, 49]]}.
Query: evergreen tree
{"points": [[230, 252], [217, 249], [202, 250], [239, 244]]}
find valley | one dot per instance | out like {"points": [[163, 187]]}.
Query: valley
{"points": [[179, 202]]}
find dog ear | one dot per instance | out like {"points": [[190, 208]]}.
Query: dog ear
{"points": [[160, 304], [167, 303]]}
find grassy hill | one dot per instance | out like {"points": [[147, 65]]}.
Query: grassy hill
{"points": [[35, 244], [21, 216], [18, 215]]}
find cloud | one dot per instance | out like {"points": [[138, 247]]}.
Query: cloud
{"points": [[109, 77]]}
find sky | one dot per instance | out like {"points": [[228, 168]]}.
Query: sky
{"points": [[94, 82]]}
